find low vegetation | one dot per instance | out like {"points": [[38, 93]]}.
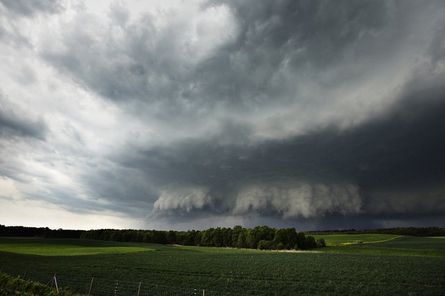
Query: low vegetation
{"points": [[10, 285]]}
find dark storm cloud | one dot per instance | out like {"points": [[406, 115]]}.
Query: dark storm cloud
{"points": [[276, 44], [29, 8], [280, 62], [125, 190], [305, 37], [323, 113], [278, 48], [396, 162]]}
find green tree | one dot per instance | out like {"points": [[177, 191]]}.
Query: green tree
{"points": [[241, 241], [265, 245], [321, 243], [300, 242]]}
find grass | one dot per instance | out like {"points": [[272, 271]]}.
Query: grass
{"points": [[54, 247], [349, 239], [16, 286], [391, 245], [175, 270]]}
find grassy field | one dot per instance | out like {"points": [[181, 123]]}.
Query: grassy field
{"points": [[385, 244], [72, 247], [393, 266], [348, 239]]}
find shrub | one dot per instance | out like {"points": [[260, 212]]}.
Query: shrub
{"points": [[265, 245], [321, 243], [10, 285], [310, 243], [280, 246]]}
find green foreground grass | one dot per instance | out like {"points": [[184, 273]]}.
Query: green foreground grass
{"points": [[392, 266], [10, 285]]}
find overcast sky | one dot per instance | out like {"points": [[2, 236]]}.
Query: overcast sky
{"points": [[192, 114]]}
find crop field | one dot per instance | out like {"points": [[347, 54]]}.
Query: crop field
{"points": [[398, 266]]}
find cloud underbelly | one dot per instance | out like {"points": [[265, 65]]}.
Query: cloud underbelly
{"points": [[299, 199], [290, 200]]}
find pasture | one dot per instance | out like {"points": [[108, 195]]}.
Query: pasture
{"points": [[393, 266]]}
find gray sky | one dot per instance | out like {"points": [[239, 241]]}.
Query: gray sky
{"points": [[192, 114]]}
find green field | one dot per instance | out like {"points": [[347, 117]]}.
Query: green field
{"points": [[347, 239], [72, 247], [393, 266]]}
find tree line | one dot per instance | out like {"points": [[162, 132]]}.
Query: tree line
{"points": [[260, 237], [38, 232]]}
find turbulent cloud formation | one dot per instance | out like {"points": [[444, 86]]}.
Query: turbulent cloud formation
{"points": [[314, 114], [300, 200], [183, 199]]}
